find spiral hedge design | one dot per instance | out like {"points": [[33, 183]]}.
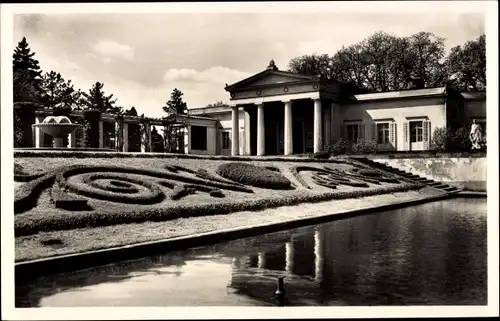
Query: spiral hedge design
{"points": [[72, 189], [117, 184]]}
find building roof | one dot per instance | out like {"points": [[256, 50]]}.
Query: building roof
{"points": [[267, 72], [438, 91], [477, 95], [208, 110]]}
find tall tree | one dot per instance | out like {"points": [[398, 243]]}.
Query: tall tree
{"points": [[176, 103], [58, 91], [130, 112], [426, 59], [312, 65], [466, 65], [172, 125], [96, 99], [381, 62], [26, 92], [25, 66]]}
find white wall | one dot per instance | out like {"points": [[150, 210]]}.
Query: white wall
{"points": [[399, 110], [226, 123], [468, 173]]}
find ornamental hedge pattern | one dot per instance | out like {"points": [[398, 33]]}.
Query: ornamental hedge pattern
{"points": [[144, 194]]}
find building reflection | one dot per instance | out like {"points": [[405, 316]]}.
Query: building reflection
{"points": [[387, 259], [430, 254]]}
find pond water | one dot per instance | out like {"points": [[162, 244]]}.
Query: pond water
{"points": [[431, 254]]}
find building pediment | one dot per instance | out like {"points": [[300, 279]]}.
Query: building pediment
{"points": [[270, 78]]}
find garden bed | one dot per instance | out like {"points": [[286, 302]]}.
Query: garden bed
{"points": [[54, 194]]}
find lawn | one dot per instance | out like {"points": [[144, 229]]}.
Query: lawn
{"points": [[59, 193]]}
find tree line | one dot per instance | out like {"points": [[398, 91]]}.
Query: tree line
{"points": [[32, 88], [385, 62]]}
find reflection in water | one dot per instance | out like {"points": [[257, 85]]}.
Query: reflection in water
{"points": [[428, 254]]}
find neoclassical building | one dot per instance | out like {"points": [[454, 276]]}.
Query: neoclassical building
{"points": [[277, 112]]}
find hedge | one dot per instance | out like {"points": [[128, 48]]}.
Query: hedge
{"points": [[61, 221], [183, 190], [252, 175], [26, 195], [21, 176], [83, 154]]}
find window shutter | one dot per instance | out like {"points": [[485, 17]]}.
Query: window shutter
{"points": [[392, 133], [374, 132], [361, 131], [406, 138], [426, 135]]}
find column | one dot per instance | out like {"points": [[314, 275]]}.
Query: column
{"points": [[72, 139], [101, 134], [247, 133], [149, 138], [327, 129], [187, 139], [289, 257], [261, 147], [318, 130], [125, 137], [288, 128], [235, 129], [146, 138], [38, 133], [318, 255], [261, 261], [118, 136], [333, 126]]}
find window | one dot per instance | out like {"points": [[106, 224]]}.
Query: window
{"points": [[383, 133], [352, 132], [416, 131], [226, 140], [198, 138]]}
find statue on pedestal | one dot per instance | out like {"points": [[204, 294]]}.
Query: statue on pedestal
{"points": [[475, 135]]}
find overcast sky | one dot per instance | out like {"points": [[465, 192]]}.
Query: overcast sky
{"points": [[140, 58]]}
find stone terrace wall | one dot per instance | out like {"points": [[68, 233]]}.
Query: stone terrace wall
{"points": [[468, 173]]}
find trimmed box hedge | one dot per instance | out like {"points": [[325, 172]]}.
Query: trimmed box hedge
{"points": [[252, 175], [27, 226]]}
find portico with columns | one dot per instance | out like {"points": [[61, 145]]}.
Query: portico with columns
{"points": [[284, 113]]}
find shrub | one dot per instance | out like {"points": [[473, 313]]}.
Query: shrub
{"points": [[253, 175], [441, 139], [204, 174], [341, 146], [460, 141], [180, 191], [26, 195], [363, 146]]}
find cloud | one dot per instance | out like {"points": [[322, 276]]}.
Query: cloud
{"points": [[217, 74], [111, 49]]}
